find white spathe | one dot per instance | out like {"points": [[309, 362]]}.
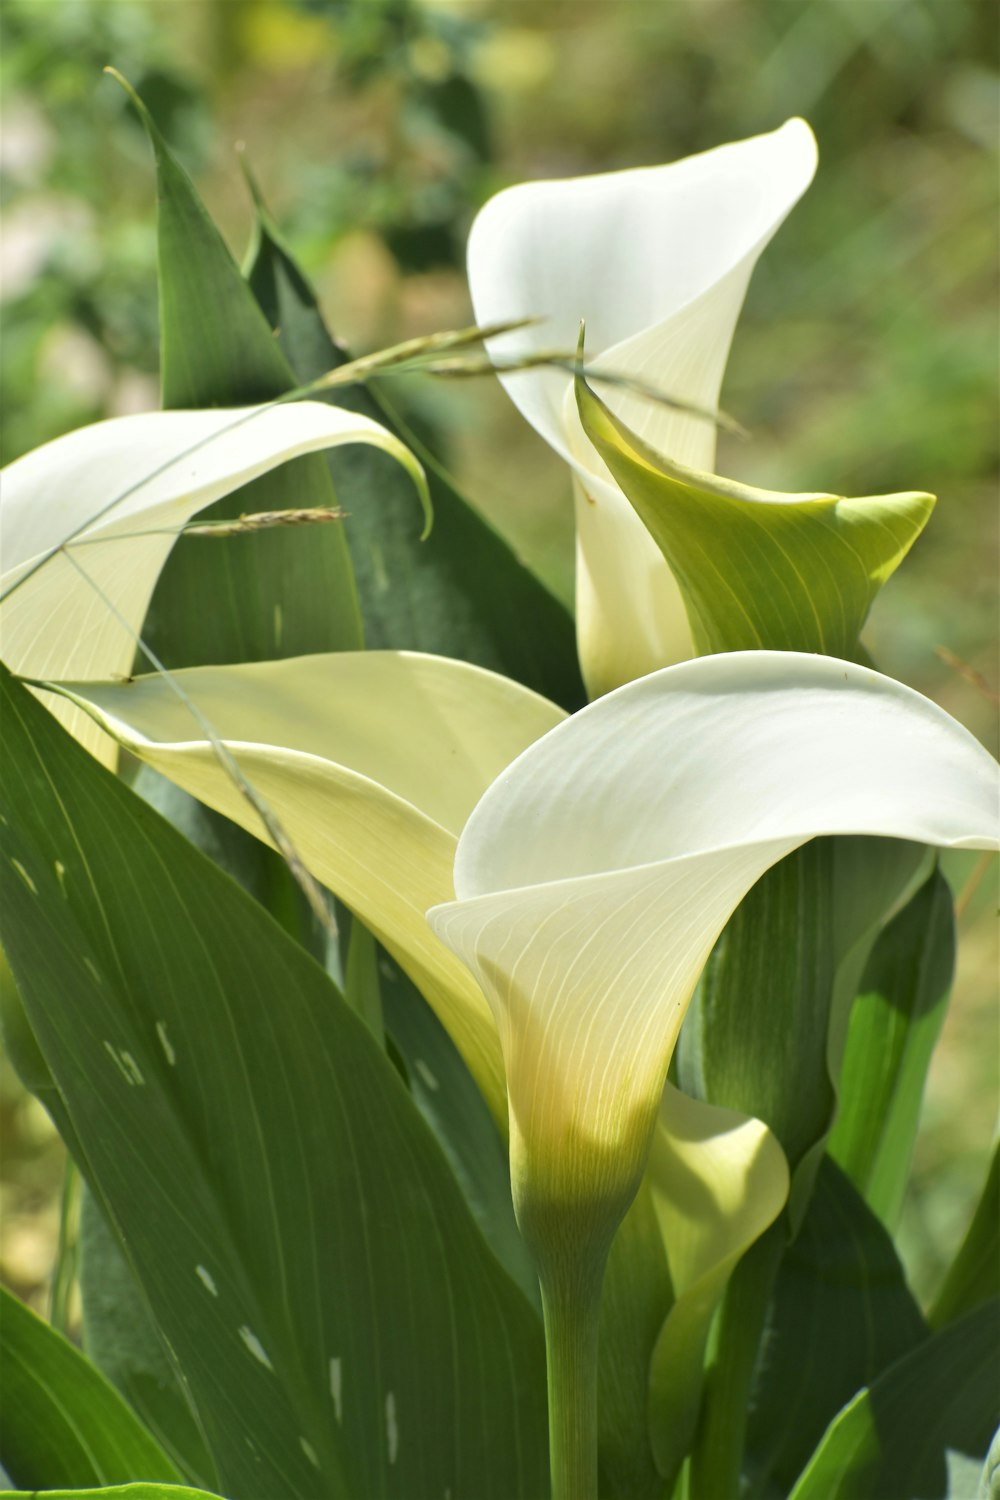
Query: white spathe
{"points": [[87, 522], [595, 875], [372, 761], [656, 262]]}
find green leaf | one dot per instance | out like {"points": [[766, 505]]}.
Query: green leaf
{"points": [[764, 1028], [840, 1314], [906, 1434], [763, 1037], [974, 1275], [258, 1156], [894, 1026], [63, 1424], [118, 1492], [449, 1100], [462, 592], [774, 964], [759, 570], [274, 593], [122, 1340]]}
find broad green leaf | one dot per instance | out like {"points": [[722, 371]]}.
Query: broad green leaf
{"points": [[372, 761], [278, 593], [121, 1339], [592, 883], [89, 520], [118, 1492], [902, 1435], [894, 1026], [718, 1180], [974, 1275], [841, 1312], [462, 592], [759, 570], [63, 1424], [656, 262], [257, 1154], [446, 1095]]}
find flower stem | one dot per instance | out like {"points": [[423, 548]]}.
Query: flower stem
{"points": [[571, 1304], [716, 1461]]}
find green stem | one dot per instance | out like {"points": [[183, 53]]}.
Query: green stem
{"points": [[717, 1458], [571, 1304], [64, 1273]]}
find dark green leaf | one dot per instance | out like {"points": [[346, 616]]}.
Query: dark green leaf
{"points": [[449, 1099], [462, 592], [63, 1424], [331, 1306], [893, 1029], [907, 1435], [841, 1312], [121, 1339], [974, 1275], [271, 594]]}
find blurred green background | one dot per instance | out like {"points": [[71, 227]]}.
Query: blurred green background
{"points": [[865, 361]]}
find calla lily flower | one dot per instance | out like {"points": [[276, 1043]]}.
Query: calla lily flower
{"points": [[596, 859], [89, 519], [372, 762], [656, 262], [595, 875]]}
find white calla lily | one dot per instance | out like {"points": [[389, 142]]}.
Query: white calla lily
{"points": [[372, 762], [597, 872], [89, 519], [656, 262]]}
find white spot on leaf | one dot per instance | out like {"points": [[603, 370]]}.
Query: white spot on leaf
{"points": [[309, 1451], [337, 1388], [391, 1427], [426, 1074], [207, 1280], [125, 1063], [380, 576], [255, 1346], [279, 624], [132, 1068], [168, 1051], [32, 887], [61, 875]]}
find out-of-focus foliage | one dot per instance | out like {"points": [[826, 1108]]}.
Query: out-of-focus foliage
{"points": [[865, 361]]}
